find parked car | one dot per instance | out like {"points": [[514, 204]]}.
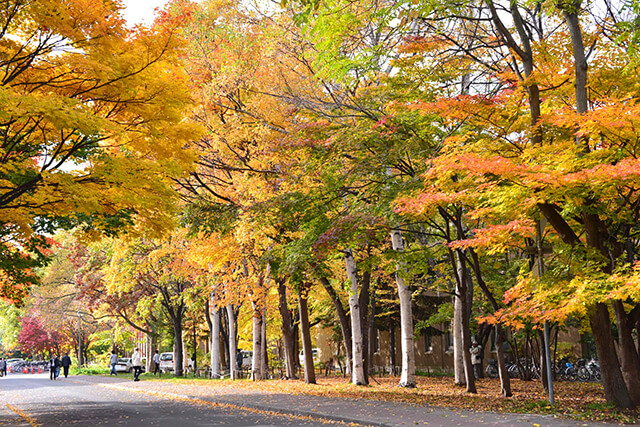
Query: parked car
{"points": [[314, 351], [166, 362], [247, 358], [15, 365], [124, 365]]}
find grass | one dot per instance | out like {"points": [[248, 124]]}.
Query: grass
{"points": [[89, 370]]}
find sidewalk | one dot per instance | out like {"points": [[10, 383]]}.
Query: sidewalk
{"points": [[363, 412]]}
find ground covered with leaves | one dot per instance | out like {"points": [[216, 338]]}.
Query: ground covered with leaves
{"points": [[573, 399]]}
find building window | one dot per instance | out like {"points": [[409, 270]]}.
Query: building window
{"points": [[428, 346], [448, 340]]}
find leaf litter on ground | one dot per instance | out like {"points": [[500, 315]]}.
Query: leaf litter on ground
{"points": [[583, 401]]}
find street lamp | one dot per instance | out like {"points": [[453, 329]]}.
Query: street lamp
{"points": [[80, 358]]}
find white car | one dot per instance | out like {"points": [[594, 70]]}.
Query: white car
{"points": [[314, 351], [166, 362], [124, 365]]}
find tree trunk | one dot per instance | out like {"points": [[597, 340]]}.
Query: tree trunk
{"points": [[257, 368], [408, 375], [177, 344], [392, 348], [224, 338], [207, 313], [265, 355], [215, 342], [233, 371], [364, 299], [372, 333], [287, 331], [357, 372], [505, 381], [635, 319], [296, 343], [345, 328], [305, 332], [543, 363], [458, 346], [615, 388], [628, 355], [463, 293]]}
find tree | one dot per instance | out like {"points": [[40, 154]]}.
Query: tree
{"points": [[162, 269], [91, 125]]}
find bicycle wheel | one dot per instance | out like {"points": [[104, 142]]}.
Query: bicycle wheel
{"points": [[492, 371], [571, 374], [583, 374]]}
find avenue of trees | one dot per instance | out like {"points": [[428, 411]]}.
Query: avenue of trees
{"points": [[334, 162]]}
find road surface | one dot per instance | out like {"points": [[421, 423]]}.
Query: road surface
{"points": [[34, 400]]}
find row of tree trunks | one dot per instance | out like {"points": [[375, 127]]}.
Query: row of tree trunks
{"points": [[505, 382]]}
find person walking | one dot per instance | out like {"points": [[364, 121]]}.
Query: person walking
{"points": [[476, 359], [113, 360], [56, 363], [52, 368], [136, 362], [66, 363], [3, 367], [156, 363]]}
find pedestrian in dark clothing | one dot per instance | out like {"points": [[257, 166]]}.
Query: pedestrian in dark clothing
{"points": [[3, 367], [66, 363], [156, 363], [52, 369], [56, 363]]}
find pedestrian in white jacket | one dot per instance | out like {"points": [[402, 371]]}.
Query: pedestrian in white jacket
{"points": [[136, 363]]}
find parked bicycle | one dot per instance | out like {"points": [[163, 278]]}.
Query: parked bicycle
{"points": [[588, 370], [565, 370]]}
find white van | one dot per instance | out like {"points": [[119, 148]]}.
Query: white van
{"points": [[167, 362]]}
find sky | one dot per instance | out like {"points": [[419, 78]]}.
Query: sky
{"points": [[141, 11]]}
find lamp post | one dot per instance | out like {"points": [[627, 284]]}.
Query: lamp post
{"points": [[80, 355], [547, 351]]}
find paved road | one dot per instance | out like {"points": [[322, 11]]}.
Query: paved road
{"points": [[29, 400]]}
